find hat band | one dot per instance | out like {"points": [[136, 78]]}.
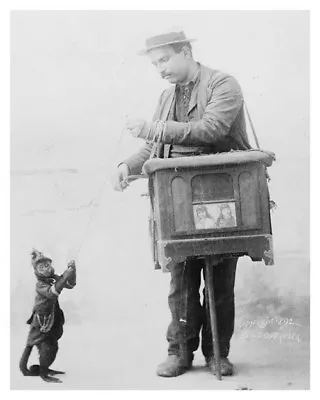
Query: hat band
{"points": [[166, 38]]}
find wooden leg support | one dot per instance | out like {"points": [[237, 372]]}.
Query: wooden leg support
{"points": [[183, 315], [209, 291]]}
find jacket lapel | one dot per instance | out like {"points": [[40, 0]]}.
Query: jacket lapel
{"points": [[199, 93], [162, 114]]}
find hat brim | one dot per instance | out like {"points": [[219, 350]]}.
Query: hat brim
{"points": [[43, 260], [146, 51]]}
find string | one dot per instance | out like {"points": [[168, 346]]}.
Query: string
{"points": [[272, 203], [98, 198], [251, 125]]}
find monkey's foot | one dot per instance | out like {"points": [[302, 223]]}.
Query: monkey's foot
{"points": [[50, 379], [34, 370], [54, 372]]}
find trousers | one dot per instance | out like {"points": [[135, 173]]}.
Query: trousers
{"points": [[184, 304]]}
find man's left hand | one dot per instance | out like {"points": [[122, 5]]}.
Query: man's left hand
{"points": [[138, 128]]}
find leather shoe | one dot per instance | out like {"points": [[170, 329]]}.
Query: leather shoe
{"points": [[226, 367], [173, 366]]}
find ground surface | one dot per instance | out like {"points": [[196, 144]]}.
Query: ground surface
{"points": [[130, 364]]}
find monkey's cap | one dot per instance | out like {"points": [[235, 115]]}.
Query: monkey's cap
{"points": [[37, 256]]}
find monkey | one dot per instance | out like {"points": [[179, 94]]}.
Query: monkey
{"points": [[47, 318]]}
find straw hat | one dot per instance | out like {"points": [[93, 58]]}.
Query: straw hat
{"points": [[155, 42]]}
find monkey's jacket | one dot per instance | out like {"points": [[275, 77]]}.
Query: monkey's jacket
{"points": [[47, 319]]}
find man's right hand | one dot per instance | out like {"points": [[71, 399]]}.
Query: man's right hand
{"points": [[120, 178]]}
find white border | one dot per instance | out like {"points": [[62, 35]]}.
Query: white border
{"points": [[5, 7]]}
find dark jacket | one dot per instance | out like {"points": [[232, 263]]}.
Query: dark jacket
{"points": [[216, 119], [47, 319]]}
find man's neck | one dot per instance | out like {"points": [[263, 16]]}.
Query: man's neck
{"points": [[193, 71]]}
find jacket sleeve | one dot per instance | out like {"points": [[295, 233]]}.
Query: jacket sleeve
{"points": [[72, 281], [136, 161], [225, 102], [46, 290]]}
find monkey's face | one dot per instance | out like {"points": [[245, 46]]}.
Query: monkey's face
{"points": [[45, 269]]}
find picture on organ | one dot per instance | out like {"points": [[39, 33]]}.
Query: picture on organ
{"points": [[215, 215]]}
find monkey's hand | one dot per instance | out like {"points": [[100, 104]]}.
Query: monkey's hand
{"points": [[72, 264], [72, 280], [63, 279]]}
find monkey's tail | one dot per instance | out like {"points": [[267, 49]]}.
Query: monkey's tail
{"points": [[23, 364]]}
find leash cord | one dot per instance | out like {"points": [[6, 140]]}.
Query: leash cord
{"points": [[251, 125], [85, 235]]}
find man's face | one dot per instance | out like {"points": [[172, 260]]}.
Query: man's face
{"points": [[45, 268], [170, 65]]}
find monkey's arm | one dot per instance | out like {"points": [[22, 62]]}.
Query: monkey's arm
{"points": [[52, 291], [72, 280], [46, 290], [69, 281], [62, 281]]}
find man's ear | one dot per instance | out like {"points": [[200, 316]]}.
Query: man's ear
{"points": [[186, 51]]}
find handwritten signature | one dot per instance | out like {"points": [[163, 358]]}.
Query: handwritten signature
{"points": [[264, 322], [271, 336]]}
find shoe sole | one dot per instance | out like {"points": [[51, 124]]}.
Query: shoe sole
{"points": [[174, 375]]}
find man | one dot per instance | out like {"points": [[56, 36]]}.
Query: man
{"points": [[201, 114]]}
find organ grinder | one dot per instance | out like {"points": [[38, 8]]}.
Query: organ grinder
{"points": [[210, 206]]}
